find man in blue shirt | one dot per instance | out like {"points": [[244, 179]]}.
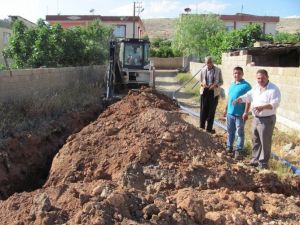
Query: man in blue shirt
{"points": [[237, 114]]}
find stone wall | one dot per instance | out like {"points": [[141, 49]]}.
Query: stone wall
{"points": [[167, 63], [286, 78], [26, 83]]}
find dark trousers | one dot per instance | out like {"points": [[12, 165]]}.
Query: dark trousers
{"points": [[208, 106]]}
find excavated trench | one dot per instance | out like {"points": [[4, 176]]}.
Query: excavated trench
{"points": [[26, 158], [141, 163]]}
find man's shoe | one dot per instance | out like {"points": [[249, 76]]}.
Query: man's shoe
{"points": [[262, 166], [253, 163], [211, 131], [237, 155], [229, 149]]}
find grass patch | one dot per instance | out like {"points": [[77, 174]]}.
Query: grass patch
{"points": [[192, 87], [24, 114], [280, 169]]}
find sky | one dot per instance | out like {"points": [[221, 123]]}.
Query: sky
{"points": [[34, 9]]}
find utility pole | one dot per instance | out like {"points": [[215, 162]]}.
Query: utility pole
{"points": [[137, 7], [133, 19]]}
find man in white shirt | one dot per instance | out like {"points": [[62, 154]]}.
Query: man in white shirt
{"points": [[265, 98]]}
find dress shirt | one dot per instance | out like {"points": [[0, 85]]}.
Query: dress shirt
{"points": [[210, 77], [259, 96]]}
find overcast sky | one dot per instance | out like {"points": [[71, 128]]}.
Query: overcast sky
{"points": [[35, 9]]}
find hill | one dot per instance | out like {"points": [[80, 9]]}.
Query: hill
{"points": [[161, 27], [289, 25], [165, 27]]}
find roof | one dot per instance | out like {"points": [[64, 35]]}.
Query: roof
{"points": [[270, 49], [22, 19], [50, 18], [248, 17]]}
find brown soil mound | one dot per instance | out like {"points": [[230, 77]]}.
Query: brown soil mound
{"points": [[141, 163]]}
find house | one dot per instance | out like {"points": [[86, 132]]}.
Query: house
{"points": [[27, 23], [124, 26], [6, 31], [6, 28], [239, 20]]}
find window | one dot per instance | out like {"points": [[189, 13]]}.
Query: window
{"points": [[133, 54], [120, 31], [6, 36]]}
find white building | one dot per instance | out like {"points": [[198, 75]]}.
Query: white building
{"points": [[239, 20], [124, 26]]}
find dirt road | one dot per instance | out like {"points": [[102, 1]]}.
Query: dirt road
{"points": [[166, 83]]}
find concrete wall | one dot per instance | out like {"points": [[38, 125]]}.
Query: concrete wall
{"points": [[167, 63], [241, 24], [270, 28], [286, 78], [128, 29], [40, 82], [2, 30]]}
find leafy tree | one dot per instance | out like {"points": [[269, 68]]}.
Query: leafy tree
{"points": [[17, 46], [156, 42], [52, 46], [241, 38], [73, 48], [162, 48], [96, 38], [193, 32]]}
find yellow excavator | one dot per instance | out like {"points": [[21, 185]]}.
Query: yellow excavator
{"points": [[129, 67]]}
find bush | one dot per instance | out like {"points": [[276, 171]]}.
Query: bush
{"points": [[52, 46], [2, 67], [287, 38], [162, 48], [242, 38]]}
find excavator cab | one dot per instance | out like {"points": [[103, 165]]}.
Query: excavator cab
{"points": [[134, 53], [129, 66]]}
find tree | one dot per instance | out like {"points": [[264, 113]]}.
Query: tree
{"points": [[17, 48], [52, 46], [162, 48], [242, 38], [193, 32]]}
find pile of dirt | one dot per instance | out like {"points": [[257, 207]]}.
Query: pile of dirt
{"points": [[141, 163]]}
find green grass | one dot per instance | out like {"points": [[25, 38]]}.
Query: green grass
{"points": [[18, 115], [280, 169], [190, 87]]}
